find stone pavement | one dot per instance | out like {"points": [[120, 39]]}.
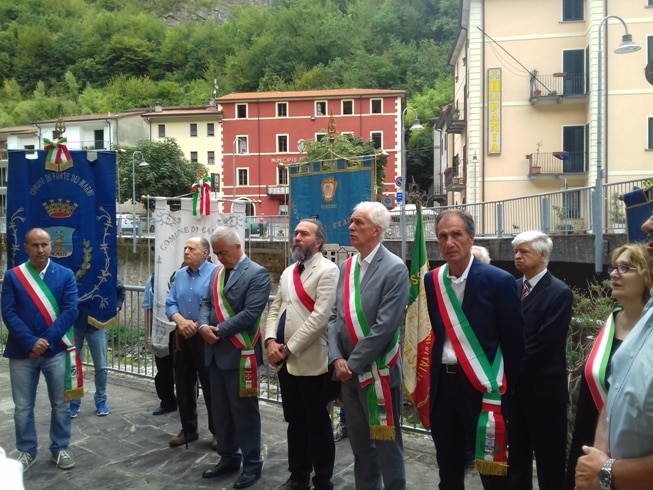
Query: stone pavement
{"points": [[128, 449]]}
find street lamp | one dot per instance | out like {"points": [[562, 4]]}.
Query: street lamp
{"points": [[404, 174], [142, 164], [627, 46]]}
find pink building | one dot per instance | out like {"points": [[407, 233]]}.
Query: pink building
{"points": [[262, 132]]}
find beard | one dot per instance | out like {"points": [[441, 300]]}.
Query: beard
{"points": [[301, 254]]}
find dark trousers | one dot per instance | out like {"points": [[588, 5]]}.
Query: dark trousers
{"points": [[237, 421], [537, 428], [310, 435], [164, 380], [189, 366], [454, 416]]}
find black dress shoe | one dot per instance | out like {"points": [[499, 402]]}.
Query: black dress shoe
{"points": [[291, 484], [161, 410], [221, 468], [247, 480]]}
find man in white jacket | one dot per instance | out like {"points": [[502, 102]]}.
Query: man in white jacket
{"points": [[296, 342]]}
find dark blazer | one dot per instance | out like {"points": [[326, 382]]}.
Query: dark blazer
{"points": [[547, 313], [247, 291], [25, 324], [492, 306]]}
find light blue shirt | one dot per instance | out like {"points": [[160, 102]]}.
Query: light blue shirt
{"points": [[148, 294], [185, 296], [630, 398]]}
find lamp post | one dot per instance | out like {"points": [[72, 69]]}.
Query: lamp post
{"points": [[142, 164], [404, 174], [233, 169], [627, 46]]}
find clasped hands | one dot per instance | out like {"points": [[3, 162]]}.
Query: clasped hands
{"points": [[39, 348], [276, 352]]}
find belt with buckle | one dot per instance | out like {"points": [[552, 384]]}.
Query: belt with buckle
{"points": [[450, 368]]}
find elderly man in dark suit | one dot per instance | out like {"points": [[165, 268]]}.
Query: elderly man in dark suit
{"points": [[229, 323], [478, 324], [539, 408], [363, 331]]}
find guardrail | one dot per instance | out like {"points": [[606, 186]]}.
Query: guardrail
{"points": [[127, 352]]}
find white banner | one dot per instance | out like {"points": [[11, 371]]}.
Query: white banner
{"points": [[172, 230]]}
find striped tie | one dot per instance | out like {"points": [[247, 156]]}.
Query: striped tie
{"points": [[525, 291]]}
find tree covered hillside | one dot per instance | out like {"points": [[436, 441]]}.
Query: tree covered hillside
{"points": [[78, 57]]}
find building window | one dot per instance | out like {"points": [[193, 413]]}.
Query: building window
{"points": [[282, 143], [241, 111], [347, 107], [320, 108], [282, 175], [98, 137], [282, 109], [377, 139], [650, 133], [193, 129], [572, 10], [162, 130], [243, 177], [210, 157], [210, 129], [241, 145], [193, 156], [320, 136], [376, 106]]}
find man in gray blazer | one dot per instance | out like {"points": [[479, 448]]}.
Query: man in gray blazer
{"points": [[363, 331], [229, 323]]}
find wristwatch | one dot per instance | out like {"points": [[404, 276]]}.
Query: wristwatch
{"points": [[605, 475]]}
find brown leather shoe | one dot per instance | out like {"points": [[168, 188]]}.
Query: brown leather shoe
{"points": [[180, 439]]}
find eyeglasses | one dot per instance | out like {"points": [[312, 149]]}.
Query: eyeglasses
{"points": [[621, 269]]}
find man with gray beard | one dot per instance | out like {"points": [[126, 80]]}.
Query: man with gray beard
{"points": [[296, 342]]}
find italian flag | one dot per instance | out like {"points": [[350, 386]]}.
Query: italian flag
{"points": [[418, 337]]}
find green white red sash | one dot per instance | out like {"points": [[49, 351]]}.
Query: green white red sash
{"points": [[47, 306], [490, 448], [597, 362], [376, 381], [242, 340]]}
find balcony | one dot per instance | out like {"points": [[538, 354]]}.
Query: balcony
{"points": [[557, 88], [454, 183], [455, 122], [557, 164], [277, 190]]}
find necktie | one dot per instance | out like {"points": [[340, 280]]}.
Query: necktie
{"points": [[300, 268], [227, 273], [525, 291]]}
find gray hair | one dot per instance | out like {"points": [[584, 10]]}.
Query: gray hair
{"points": [[320, 229], [228, 234], [483, 253], [377, 213], [540, 241]]}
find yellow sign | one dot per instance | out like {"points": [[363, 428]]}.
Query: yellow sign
{"points": [[494, 111]]}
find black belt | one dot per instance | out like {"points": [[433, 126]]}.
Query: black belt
{"points": [[450, 368]]}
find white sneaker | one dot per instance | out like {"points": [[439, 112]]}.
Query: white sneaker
{"points": [[63, 460], [26, 460]]}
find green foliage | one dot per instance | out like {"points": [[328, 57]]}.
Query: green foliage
{"points": [[96, 56], [168, 172]]}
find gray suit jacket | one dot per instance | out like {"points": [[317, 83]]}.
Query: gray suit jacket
{"points": [[247, 292], [384, 296]]}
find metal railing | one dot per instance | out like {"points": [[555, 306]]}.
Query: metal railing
{"points": [[127, 352]]}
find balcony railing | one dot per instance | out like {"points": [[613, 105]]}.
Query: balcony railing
{"points": [[557, 87], [557, 163]]}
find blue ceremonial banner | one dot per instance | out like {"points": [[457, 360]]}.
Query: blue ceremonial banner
{"points": [[75, 201], [328, 191]]}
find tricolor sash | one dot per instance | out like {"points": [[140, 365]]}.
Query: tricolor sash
{"points": [[597, 362], [241, 340], [201, 190], [298, 294], [58, 157], [47, 306], [376, 381], [490, 448]]}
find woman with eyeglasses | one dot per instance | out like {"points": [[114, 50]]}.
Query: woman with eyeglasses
{"points": [[631, 282]]}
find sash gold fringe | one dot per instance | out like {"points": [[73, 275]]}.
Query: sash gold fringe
{"points": [[382, 433], [248, 392], [73, 394], [94, 322], [491, 467]]}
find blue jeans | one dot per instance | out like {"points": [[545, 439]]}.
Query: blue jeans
{"points": [[24, 375], [97, 344]]}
